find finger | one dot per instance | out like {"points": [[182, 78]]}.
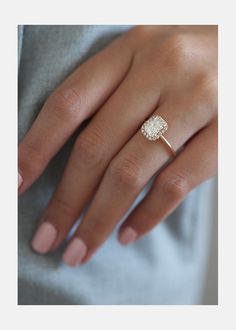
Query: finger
{"points": [[124, 179], [76, 99], [196, 163], [107, 132]]}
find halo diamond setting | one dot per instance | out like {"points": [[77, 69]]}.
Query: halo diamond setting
{"points": [[154, 127]]}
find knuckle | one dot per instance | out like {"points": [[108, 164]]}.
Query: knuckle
{"points": [[126, 172], [206, 87], [174, 185], [90, 147], [61, 204], [179, 50], [32, 159], [66, 102], [95, 228]]}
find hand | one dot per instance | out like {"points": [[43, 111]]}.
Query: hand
{"points": [[166, 70]]}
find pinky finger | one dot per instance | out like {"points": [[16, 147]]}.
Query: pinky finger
{"points": [[196, 163]]}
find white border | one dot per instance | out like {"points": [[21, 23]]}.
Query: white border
{"points": [[117, 12]]}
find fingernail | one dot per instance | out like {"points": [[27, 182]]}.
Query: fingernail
{"points": [[20, 180], [44, 237], [75, 252], [127, 236]]}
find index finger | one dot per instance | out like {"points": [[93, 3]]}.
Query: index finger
{"points": [[77, 98]]}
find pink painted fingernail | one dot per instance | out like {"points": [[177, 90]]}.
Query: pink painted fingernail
{"points": [[44, 237], [127, 236], [75, 252], [20, 180]]}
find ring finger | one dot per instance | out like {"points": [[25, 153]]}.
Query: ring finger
{"points": [[125, 177]]}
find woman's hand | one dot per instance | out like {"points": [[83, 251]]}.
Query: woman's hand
{"points": [[166, 70]]}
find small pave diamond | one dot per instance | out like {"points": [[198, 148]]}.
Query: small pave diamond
{"points": [[154, 127]]}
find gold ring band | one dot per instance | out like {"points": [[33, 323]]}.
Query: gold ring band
{"points": [[154, 128], [167, 143]]}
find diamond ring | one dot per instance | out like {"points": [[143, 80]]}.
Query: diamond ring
{"points": [[154, 128]]}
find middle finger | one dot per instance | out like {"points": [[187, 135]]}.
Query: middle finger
{"points": [[108, 131]]}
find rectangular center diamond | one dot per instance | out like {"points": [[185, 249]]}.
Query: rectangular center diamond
{"points": [[154, 127]]}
